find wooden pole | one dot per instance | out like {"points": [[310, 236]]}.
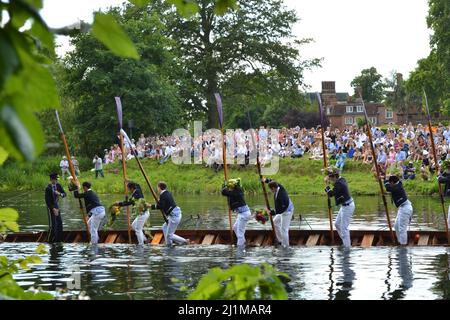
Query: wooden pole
{"points": [[72, 172], [325, 164], [258, 165], [433, 147], [375, 162], [224, 157]]}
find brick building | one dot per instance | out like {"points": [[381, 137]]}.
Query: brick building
{"points": [[342, 110]]}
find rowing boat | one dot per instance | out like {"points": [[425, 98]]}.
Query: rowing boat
{"points": [[255, 238]]}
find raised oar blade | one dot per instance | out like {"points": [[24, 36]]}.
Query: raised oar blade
{"points": [[119, 111], [319, 101], [219, 108], [59, 122], [426, 105], [127, 139]]}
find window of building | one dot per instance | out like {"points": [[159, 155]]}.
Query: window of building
{"points": [[389, 114], [373, 120], [348, 120], [359, 109], [349, 109], [328, 110]]}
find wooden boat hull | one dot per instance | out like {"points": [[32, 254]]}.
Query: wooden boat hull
{"points": [[255, 238]]}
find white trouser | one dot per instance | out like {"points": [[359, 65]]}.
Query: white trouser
{"points": [[97, 215], [170, 227], [281, 223], [342, 222], [448, 218], [402, 221], [239, 226], [138, 226]]}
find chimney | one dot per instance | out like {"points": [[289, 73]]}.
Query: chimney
{"points": [[399, 77], [328, 87]]}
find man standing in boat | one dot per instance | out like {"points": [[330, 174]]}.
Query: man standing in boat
{"points": [[140, 208], [444, 178], [96, 211], [232, 190], [405, 209], [52, 193], [284, 209], [167, 204], [342, 197]]}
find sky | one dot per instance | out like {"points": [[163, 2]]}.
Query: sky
{"points": [[350, 35]]}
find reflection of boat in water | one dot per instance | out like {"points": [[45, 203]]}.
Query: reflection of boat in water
{"points": [[362, 238]]}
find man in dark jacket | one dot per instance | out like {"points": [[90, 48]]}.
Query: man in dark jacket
{"points": [[444, 178], [52, 194], [94, 208], [167, 204], [141, 212], [232, 190], [284, 209], [405, 209], [342, 197]]}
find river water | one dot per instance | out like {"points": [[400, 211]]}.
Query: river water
{"points": [[132, 272]]}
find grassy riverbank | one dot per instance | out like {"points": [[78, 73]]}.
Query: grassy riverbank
{"points": [[299, 176]]}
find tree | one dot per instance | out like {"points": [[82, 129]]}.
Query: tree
{"points": [[400, 97], [431, 77], [255, 40], [371, 83], [439, 59], [95, 76]]}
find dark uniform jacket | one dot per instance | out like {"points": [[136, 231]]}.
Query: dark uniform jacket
{"points": [[235, 197], [445, 179], [281, 199], [340, 192], [91, 199], [397, 191], [136, 195], [51, 199], [166, 203]]}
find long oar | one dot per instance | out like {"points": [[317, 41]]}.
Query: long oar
{"points": [[433, 147], [124, 166], [72, 171], [258, 165], [224, 157], [325, 163], [375, 162], [133, 150]]}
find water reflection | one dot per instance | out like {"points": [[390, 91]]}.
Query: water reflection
{"points": [[344, 286], [132, 272]]}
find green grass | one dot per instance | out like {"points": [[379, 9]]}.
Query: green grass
{"points": [[299, 176]]}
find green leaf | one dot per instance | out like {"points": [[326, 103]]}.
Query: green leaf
{"points": [[41, 249], [108, 31], [8, 214], [3, 155], [13, 226], [41, 32], [140, 3], [24, 130], [222, 6], [186, 8], [9, 59]]}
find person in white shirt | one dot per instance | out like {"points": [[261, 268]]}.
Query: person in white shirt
{"points": [[64, 165], [98, 166]]}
